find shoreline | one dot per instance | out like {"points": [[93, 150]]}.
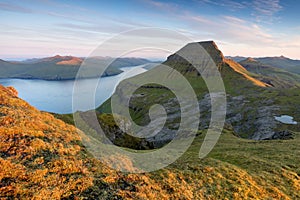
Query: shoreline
{"points": [[59, 79]]}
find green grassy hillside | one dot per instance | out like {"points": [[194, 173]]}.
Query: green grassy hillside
{"points": [[236, 169], [252, 102]]}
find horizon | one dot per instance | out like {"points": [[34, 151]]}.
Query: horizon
{"points": [[150, 59], [252, 28]]}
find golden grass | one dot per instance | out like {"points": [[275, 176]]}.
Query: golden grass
{"points": [[39, 155], [241, 70]]}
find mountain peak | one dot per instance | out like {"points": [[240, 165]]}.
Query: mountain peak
{"points": [[251, 60], [190, 50], [213, 50], [282, 57], [70, 61], [57, 56], [208, 43]]}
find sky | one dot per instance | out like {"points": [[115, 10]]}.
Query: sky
{"points": [[254, 28]]}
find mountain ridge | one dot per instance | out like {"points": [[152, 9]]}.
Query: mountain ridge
{"points": [[66, 67], [281, 62], [277, 77]]}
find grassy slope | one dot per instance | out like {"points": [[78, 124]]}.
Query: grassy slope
{"points": [[235, 84], [236, 169], [42, 157]]}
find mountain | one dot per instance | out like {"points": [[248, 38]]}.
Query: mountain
{"points": [[281, 62], [272, 75], [65, 67], [236, 58], [252, 102]]}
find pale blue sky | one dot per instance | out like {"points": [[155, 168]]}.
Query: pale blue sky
{"points": [[37, 28]]}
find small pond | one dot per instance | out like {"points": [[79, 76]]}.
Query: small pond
{"points": [[286, 119]]}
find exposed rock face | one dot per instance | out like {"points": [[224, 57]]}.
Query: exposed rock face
{"points": [[246, 121], [213, 50], [253, 123]]}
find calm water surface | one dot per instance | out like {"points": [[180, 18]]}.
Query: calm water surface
{"points": [[56, 96], [286, 119]]}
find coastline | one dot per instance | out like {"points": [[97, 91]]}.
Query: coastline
{"points": [[58, 79]]}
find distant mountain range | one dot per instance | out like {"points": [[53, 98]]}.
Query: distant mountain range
{"points": [[280, 77], [281, 62], [65, 67]]}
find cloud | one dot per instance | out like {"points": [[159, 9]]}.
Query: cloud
{"points": [[233, 5], [237, 36], [267, 7], [170, 7], [262, 10], [239, 30], [97, 28], [14, 8], [229, 28]]}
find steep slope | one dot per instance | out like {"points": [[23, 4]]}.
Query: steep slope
{"points": [[241, 70]]}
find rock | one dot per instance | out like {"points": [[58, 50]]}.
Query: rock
{"points": [[282, 135]]}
